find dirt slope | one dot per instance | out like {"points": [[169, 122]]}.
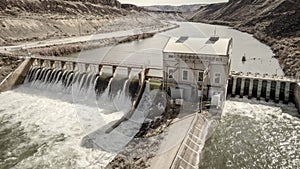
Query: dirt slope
{"points": [[28, 20]]}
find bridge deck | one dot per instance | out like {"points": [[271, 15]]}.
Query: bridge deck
{"points": [[264, 77], [154, 71]]}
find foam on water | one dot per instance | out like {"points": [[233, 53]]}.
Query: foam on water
{"points": [[254, 134], [52, 127]]}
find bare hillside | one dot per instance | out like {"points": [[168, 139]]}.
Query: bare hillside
{"points": [[29, 20], [274, 22]]}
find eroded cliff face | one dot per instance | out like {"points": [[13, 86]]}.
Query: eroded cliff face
{"points": [[28, 20], [274, 22]]}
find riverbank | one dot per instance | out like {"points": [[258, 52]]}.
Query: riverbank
{"points": [[140, 28], [286, 50], [274, 23]]}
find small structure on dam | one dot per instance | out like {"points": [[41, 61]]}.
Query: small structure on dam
{"points": [[197, 67]]}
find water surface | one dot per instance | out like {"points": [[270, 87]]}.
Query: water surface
{"points": [[254, 134], [148, 52]]}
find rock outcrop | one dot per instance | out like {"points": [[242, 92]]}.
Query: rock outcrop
{"points": [[274, 22]]}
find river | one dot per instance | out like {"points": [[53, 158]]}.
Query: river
{"points": [[42, 129], [254, 134], [149, 51]]}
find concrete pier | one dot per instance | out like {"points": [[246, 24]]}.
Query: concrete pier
{"points": [[277, 91], [259, 89], [250, 89], [287, 92], [297, 96], [268, 90], [234, 86], [242, 88]]}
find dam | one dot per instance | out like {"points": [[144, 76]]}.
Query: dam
{"points": [[81, 79], [87, 81], [267, 87]]}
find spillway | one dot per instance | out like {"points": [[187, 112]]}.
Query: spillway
{"points": [[44, 123]]}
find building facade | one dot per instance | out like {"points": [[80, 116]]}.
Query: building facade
{"points": [[196, 67]]}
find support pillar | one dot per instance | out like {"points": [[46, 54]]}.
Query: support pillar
{"points": [[100, 69], [277, 91], [268, 90], [63, 64], [234, 86], [86, 67], [287, 92], [39, 62], [73, 66], [52, 64], [242, 87], [114, 70], [129, 71], [259, 86], [250, 89]]}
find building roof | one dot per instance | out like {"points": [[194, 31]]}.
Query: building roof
{"points": [[208, 46]]}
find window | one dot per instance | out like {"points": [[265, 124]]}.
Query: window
{"points": [[185, 75], [171, 56], [219, 59], [217, 78], [171, 73], [200, 76]]}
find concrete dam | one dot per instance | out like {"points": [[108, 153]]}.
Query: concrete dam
{"points": [[112, 81], [264, 87]]}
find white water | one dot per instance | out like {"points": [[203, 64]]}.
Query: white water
{"points": [[51, 121], [43, 120], [254, 134]]}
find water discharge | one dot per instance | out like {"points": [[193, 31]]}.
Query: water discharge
{"points": [[46, 121], [254, 134]]}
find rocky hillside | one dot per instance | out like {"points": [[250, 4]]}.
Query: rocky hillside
{"points": [[185, 9], [66, 7], [28, 20], [274, 22]]}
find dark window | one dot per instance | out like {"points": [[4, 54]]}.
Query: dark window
{"points": [[185, 74], [217, 78], [200, 76], [171, 72]]}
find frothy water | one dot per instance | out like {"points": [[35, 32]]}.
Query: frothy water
{"points": [[44, 123], [254, 134], [40, 132]]}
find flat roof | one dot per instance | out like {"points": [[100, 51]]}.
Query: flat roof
{"points": [[198, 45]]}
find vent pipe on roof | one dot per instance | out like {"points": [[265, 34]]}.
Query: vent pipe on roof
{"points": [[215, 37]]}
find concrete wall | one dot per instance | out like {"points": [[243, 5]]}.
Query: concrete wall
{"points": [[297, 96], [17, 77], [267, 87]]}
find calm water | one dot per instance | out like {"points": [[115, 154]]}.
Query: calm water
{"points": [[254, 134], [149, 51]]}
